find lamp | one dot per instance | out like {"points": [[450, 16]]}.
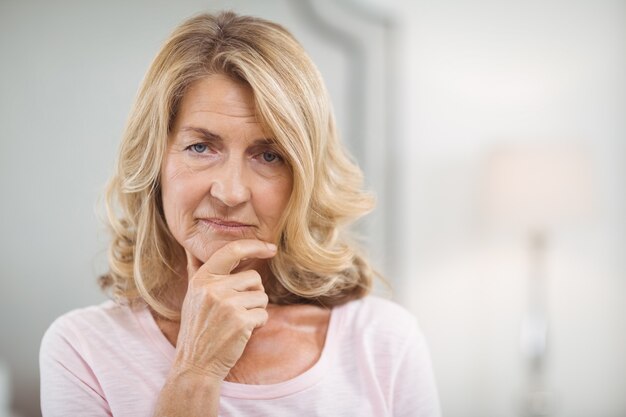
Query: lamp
{"points": [[537, 190]]}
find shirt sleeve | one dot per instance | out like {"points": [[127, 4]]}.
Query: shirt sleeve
{"points": [[414, 389], [68, 384]]}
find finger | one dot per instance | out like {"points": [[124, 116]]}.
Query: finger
{"points": [[249, 280], [252, 300], [246, 281], [225, 259], [258, 317]]}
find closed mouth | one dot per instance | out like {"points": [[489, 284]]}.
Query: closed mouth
{"points": [[225, 225]]}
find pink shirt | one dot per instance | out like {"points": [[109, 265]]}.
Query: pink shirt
{"points": [[112, 360]]}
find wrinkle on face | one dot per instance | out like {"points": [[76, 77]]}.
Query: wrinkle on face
{"points": [[220, 113]]}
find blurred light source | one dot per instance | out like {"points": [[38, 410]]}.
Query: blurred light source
{"points": [[538, 187], [537, 190]]}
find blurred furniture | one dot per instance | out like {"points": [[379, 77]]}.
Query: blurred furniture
{"points": [[535, 191]]}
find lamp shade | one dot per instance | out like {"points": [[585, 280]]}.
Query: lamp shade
{"points": [[538, 187]]}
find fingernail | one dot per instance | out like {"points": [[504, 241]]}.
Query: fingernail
{"points": [[272, 247]]}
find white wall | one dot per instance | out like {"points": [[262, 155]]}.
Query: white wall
{"points": [[68, 74], [472, 74], [486, 73]]}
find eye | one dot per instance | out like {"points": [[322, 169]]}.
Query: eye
{"points": [[269, 156], [198, 147]]}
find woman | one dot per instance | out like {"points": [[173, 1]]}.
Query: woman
{"points": [[237, 290]]}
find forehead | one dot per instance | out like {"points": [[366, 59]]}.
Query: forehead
{"points": [[220, 95], [219, 108]]}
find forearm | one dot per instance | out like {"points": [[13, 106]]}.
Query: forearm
{"points": [[187, 394]]}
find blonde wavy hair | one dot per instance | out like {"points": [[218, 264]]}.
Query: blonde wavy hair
{"points": [[317, 261]]}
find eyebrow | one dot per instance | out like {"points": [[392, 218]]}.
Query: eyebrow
{"points": [[206, 134], [214, 137]]}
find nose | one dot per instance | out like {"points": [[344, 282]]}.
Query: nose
{"points": [[229, 183]]}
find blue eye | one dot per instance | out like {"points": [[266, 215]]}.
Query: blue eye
{"points": [[199, 147], [270, 156]]}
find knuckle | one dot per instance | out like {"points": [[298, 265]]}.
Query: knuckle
{"points": [[209, 290], [265, 298], [253, 275]]}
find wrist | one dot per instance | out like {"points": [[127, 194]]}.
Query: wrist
{"points": [[209, 372], [187, 393], [191, 378]]}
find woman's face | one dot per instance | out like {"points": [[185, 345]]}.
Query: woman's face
{"points": [[222, 177]]}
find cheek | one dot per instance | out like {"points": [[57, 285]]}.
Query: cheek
{"points": [[274, 198], [180, 195]]}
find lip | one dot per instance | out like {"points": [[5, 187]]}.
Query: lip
{"points": [[226, 226]]}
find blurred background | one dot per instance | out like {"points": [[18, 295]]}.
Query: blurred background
{"points": [[492, 132]]}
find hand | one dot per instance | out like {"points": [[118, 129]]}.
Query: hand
{"points": [[220, 309]]}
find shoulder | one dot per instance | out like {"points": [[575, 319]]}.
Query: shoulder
{"points": [[103, 316], [378, 327], [83, 354], [88, 326], [377, 315], [380, 342]]}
